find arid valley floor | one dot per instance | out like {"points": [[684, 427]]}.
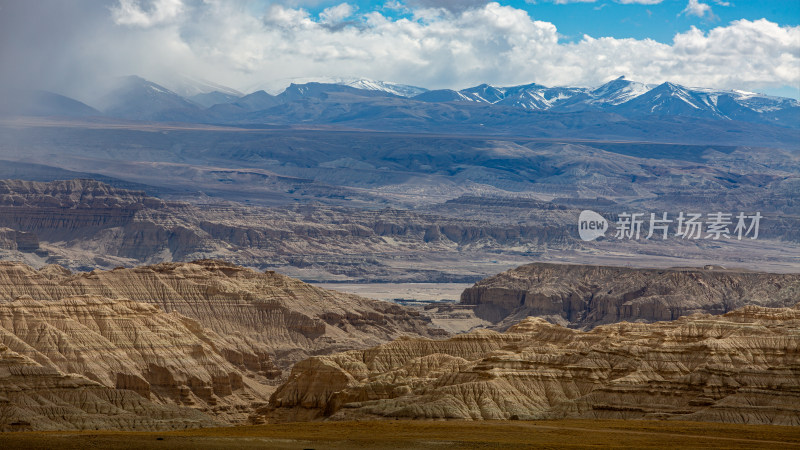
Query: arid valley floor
{"points": [[432, 435]]}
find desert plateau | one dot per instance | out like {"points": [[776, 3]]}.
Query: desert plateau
{"points": [[400, 224]]}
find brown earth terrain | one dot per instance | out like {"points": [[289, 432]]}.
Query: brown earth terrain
{"points": [[94, 363], [739, 367], [182, 345], [169, 346], [383, 189], [86, 224], [420, 434], [290, 319]]}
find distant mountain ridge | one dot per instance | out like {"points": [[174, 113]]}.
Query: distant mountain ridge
{"points": [[343, 100], [629, 98], [42, 103]]}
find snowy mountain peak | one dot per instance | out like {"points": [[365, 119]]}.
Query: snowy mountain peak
{"points": [[484, 93], [277, 86], [402, 90], [444, 95], [617, 91], [135, 97]]}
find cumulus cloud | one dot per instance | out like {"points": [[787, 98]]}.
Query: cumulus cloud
{"points": [[336, 14], [232, 43], [695, 8]]}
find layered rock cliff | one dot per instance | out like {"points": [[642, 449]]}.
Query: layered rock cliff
{"points": [[739, 367], [122, 344], [584, 296], [290, 320], [168, 346], [18, 240], [85, 224], [39, 397], [96, 363]]}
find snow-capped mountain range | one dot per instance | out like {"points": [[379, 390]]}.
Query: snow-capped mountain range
{"points": [[623, 96], [140, 99], [275, 87]]}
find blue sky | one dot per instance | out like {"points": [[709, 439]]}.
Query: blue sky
{"points": [[660, 21]]}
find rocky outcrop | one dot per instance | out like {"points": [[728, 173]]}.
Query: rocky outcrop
{"points": [[585, 296], [97, 218], [37, 397], [18, 240], [91, 362], [166, 358], [69, 207], [289, 319], [739, 367]]}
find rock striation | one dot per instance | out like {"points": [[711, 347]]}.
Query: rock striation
{"points": [[37, 397], [168, 346], [85, 224], [95, 363], [739, 367], [584, 296], [18, 240], [275, 319]]}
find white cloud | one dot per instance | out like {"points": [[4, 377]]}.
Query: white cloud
{"points": [[232, 43], [695, 8], [132, 12], [336, 14], [394, 5], [500, 45], [282, 16]]}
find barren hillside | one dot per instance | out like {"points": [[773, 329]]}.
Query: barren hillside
{"points": [[740, 367]]}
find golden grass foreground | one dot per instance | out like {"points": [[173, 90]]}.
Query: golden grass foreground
{"points": [[430, 434]]}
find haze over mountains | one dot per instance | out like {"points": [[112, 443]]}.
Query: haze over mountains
{"points": [[345, 101]]}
